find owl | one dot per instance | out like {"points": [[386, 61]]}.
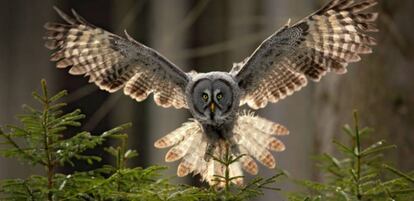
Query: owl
{"points": [[325, 41]]}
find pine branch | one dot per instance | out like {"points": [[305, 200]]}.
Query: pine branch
{"points": [[19, 149], [358, 175], [399, 173], [357, 148]]}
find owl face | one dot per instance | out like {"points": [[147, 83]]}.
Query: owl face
{"points": [[213, 99]]}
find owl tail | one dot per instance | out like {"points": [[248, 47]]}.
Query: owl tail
{"points": [[252, 137]]}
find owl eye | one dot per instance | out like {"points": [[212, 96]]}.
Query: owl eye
{"points": [[219, 96], [205, 97]]}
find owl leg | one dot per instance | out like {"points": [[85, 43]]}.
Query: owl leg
{"points": [[211, 147], [214, 135], [234, 147]]}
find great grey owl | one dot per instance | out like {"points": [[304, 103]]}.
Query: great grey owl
{"points": [[325, 41]]}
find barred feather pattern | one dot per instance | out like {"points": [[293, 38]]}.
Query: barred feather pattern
{"points": [[328, 40], [252, 136], [113, 62]]}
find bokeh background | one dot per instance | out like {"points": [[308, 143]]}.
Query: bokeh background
{"points": [[207, 35]]}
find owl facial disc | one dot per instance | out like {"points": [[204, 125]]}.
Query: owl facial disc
{"points": [[212, 99]]}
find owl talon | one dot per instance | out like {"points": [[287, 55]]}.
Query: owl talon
{"points": [[209, 151]]}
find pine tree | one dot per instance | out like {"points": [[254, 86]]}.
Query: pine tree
{"points": [[45, 138], [359, 174]]}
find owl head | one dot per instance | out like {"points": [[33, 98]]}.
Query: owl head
{"points": [[213, 98]]}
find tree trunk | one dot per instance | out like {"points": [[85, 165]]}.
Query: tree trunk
{"points": [[295, 111], [23, 62], [164, 22]]}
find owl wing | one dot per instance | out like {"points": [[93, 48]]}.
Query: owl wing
{"points": [[113, 62], [327, 40]]}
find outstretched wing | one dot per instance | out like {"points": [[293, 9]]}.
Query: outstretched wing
{"points": [[328, 40], [113, 62]]}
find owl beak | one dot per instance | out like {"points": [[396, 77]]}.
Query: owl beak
{"points": [[212, 107]]}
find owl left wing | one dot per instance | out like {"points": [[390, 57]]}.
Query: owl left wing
{"points": [[327, 40], [113, 62]]}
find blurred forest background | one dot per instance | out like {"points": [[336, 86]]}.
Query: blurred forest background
{"points": [[208, 35]]}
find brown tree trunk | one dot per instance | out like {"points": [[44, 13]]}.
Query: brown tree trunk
{"points": [[295, 111], [133, 16], [166, 17], [23, 62]]}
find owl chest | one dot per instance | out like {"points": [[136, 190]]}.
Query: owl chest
{"points": [[223, 132]]}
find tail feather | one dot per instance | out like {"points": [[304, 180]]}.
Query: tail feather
{"points": [[275, 144], [253, 137], [263, 125], [235, 171], [194, 160], [186, 147], [214, 168], [248, 164], [254, 142], [176, 136]]}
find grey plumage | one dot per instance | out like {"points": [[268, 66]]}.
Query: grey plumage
{"points": [[327, 40], [113, 62]]}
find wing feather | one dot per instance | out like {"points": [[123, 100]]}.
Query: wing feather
{"points": [[328, 40], [113, 62]]}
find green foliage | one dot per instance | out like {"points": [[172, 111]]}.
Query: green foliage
{"points": [[359, 174], [45, 138], [233, 192]]}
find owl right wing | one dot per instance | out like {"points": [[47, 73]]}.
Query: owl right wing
{"points": [[113, 62], [327, 40]]}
